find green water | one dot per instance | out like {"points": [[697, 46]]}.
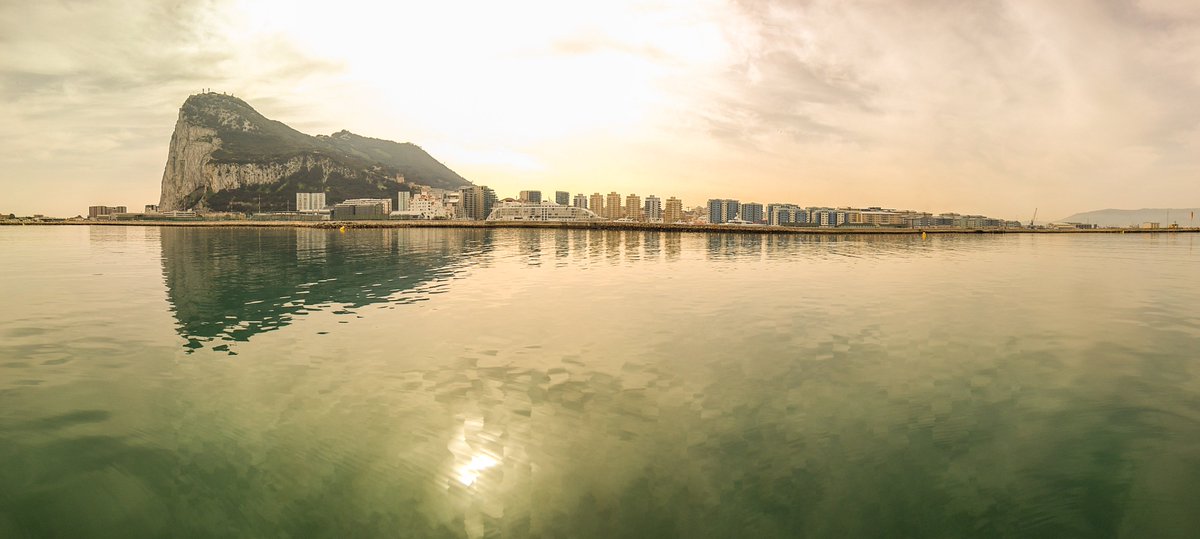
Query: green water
{"points": [[536, 383]]}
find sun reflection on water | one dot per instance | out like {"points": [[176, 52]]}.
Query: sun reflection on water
{"points": [[469, 473], [470, 460]]}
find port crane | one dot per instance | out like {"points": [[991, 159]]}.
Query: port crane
{"points": [[1034, 218]]}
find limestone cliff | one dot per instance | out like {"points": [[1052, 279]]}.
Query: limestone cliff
{"points": [[225, 156]]}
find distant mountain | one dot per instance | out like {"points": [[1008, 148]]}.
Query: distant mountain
{"points": [[1164, 216], [225, 156]]}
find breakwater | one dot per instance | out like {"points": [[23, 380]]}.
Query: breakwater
{"points": [[606, 225]]}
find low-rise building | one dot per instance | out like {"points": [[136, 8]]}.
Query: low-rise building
{"points": [[100, 211], [358, 209], [521, 211], [385, 202]]}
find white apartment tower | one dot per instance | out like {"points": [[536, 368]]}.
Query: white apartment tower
{"points": [[652, 209], [309, 202]]}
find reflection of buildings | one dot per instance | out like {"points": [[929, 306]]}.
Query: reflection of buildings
{"points": [[232, 284], [673, 244], [311, 244]]}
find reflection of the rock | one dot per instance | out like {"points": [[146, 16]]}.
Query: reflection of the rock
{"points": [[231, 284]]}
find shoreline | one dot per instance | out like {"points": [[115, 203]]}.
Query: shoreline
{"points": [[605, 225]]}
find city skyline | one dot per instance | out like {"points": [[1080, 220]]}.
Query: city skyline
{"points": [[988, 108]]}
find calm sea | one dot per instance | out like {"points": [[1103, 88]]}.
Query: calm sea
{"points": [[182, 382]]}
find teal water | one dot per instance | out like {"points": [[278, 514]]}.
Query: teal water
{"points": [[537, 383]]}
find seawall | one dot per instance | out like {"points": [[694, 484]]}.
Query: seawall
{"points": [[608, 225]]}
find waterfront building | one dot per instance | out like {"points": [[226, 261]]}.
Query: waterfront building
{"points": [[385, 202], [612, 207], [633, 208], [652, 209], [827, 217], [562, 198], [531, 197], [151, 208], [427, 207], [596, 204], [951, 220], [522, 211], [403, 199], [98, 211], [751, 212], [477, 202], [308, 202], [581, 201], [878, 217], [786, 214], [722, 210], [362, 208], [673, 213]]}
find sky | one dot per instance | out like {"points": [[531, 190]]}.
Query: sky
{"points": [[989, 107]]}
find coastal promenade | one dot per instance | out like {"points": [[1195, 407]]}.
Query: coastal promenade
{"points": [[603, 225]]}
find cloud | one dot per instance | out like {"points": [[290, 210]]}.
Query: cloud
{"points": [[1049, 98], [90, 91], [934, 104]]}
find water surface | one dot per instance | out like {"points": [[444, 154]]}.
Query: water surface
{"points": [[550, 383]]}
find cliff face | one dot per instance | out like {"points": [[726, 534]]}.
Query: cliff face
{"points": [[225, 156], [190, 152]]}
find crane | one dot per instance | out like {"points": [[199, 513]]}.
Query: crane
{"points": [[1034, 218]]}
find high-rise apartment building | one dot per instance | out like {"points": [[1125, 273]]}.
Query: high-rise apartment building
{"points": [[310, 202], [477, 202], [652, 209], [562, 198], [752, 212], [532, 197], [673, 212], [596, 204], [612, 206], [581, 201], [633, 208], [722, 210], [403, 200]]}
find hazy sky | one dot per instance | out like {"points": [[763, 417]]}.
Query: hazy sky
{"points": [[985, 107]]}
